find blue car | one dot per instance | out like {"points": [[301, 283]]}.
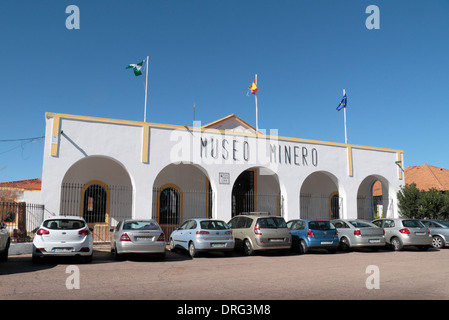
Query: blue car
{"points": [[313, 234], [197, 235]]}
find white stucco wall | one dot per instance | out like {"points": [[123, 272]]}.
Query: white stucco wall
{"points": [[291, 161]]}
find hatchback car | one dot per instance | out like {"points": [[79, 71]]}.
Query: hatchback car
{"points": [[313, 234], [5, 241], [355, 233], [63, 236], [400, 233], [137, 236], [439, 231], [197, 235], [260, 232]]}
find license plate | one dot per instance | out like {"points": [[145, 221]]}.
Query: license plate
{"points": [[326, 242], [373, 240], [420, 233], [218, 245], [144, 238], [276, 240], [61, 250]]}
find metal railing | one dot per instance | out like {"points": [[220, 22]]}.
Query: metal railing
{"points": [[21, 219]]}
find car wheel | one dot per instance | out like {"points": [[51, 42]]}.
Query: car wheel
{"points": [[344, 245], [35, 259], [437, 242], [303, 247], [4, 254], [117, 256], [248, 248], [396, 243], [192, 250]]}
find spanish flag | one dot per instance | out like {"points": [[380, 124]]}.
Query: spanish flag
{"points": [[253, 87]]}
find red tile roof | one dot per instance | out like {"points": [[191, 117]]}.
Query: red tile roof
{"points": [[427, 177], [31, 184]]}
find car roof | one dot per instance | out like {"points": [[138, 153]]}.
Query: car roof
{"points": [[65, 217]]}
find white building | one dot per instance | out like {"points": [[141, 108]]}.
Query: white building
{"points": [[107, 170]]}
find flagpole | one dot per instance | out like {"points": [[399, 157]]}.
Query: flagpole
{"points": [[257, 116], [146, 90], [346, 134]]}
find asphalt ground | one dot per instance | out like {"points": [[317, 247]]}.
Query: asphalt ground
{"points": [[357, 275]]}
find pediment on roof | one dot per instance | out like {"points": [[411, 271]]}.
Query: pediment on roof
{"points": [[232, 123]]}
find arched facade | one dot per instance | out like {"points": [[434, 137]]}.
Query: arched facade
{"points": [[107, 170]]}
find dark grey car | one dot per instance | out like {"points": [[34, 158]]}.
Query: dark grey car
{"points": [[439, 231]]}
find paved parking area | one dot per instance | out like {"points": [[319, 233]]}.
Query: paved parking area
{"points": [[409, 274]]}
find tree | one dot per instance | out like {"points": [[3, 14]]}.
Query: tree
{"points": [[408, 198], [433, 204]]}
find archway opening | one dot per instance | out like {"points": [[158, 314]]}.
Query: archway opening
{"points": [[256, 190], [373, 199], [319, 197], [181, 191]]}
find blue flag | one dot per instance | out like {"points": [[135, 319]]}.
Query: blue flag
{"points": [[342, 103]]}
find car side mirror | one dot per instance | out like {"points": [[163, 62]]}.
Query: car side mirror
{"points": [[111, 230], [2, 225]]}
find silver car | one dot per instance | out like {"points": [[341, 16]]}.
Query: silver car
{"points": [[405, 232], [197, 235], [4, 242], [137, 236], [354, 233], [439, 231]]}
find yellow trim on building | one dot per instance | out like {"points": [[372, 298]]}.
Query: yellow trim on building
{"points": [[147, 125]]}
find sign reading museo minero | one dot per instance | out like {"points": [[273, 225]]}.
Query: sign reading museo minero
{"points": [[265, 150]]}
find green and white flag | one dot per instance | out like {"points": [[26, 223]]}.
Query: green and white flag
{"points": [[136, 67]]}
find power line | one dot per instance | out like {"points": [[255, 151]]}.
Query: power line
{"points": [[24, 139]]}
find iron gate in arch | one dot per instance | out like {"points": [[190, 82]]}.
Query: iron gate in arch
{"points": [[101, 205]]}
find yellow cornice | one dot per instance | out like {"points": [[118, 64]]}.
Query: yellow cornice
{"points": [[218, 131]]}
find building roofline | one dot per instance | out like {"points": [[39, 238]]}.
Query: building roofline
{"points": [[210, 130]]}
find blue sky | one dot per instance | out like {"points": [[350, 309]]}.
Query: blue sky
{"points": [[207, 52]]}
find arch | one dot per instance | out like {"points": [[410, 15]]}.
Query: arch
{"points": [[316, 196], [256, 189], [374, 198], [169, 205], [187, 186], [108, 174], [95, 202]]}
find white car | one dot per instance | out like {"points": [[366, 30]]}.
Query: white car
{"points": [[63, 236], [4, 242]]}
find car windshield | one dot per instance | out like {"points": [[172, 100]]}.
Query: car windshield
{"points": [[64, 224], [359, 224], [412, 224], [321, 225], [140, 225], [271, 222], [214, 225]]}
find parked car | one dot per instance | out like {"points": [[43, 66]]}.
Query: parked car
{"points": [[63, 236], [355, 233], [137, 236], [196, 235], [439, 231], [254, 232], [400, 233], [313, 234], [5, 241]]}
